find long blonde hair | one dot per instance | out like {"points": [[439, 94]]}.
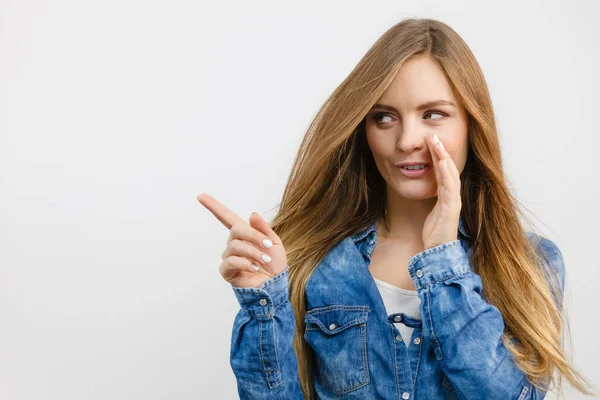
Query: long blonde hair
{"points": [[335, 190]]}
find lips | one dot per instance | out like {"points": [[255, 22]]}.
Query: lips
{"points": [[414, 173]]}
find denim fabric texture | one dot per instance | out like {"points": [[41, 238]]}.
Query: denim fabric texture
{"points": [[455, 351]]}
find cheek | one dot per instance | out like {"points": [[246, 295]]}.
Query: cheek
{"points": [[379, 145], [458, 153]]}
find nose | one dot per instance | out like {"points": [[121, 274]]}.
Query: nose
{"points": [[411, 139]]}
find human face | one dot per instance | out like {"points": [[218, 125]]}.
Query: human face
{"points": [[396, 134]]}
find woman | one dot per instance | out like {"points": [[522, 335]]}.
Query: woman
{"points": [[481, 316]]}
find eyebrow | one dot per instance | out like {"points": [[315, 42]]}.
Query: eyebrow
{"points": [[421, 107]]}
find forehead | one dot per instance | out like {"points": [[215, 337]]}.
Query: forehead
{"points": [[419, 80]]}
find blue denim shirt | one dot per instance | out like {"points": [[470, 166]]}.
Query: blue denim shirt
{"points": [[455, 351]]}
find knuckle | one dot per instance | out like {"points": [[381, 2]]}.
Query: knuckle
{"points": [[236, 246], [236, 229], [225, 263]]}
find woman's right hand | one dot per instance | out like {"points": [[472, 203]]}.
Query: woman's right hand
{"points": [[245, 247]]}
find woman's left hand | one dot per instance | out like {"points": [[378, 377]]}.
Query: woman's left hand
{"points": [[441, 225]]}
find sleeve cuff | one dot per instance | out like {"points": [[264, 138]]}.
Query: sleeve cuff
{"points": [[439, 263], [264, 299]]}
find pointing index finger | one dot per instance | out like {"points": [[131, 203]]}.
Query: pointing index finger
{"points": [[227, 217]]}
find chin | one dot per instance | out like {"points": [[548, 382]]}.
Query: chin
{"points": [[415, 192]]}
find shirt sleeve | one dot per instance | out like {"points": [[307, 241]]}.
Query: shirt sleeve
{"points": [[464, 330], [262, 355]]}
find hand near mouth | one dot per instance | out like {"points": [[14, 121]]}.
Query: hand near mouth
{"points": [[441, 225]]}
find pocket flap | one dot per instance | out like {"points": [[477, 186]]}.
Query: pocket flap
{"points": [[335, 318]]}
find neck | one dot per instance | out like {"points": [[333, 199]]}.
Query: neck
{"points": [[406, 218]]}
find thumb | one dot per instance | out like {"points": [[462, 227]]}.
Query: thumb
{"points": [[259, 223]]}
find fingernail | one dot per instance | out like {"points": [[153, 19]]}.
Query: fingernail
{"points": [[255, 267], [266, 258], [267, 243], [435, 138]]}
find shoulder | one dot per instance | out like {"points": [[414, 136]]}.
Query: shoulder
{"points": [[551, 255], [545, 245], [546, 248]]}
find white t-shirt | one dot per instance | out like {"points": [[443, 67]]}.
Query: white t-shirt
{"points": [[398, 300]]}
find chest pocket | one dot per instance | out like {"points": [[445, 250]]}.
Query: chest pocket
{"points": [[338, 337]]}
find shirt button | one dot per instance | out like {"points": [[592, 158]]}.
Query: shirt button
{"points": [[371, 241], [417, 340], [399, 338], [397, 318], [419, 273], [405, 395], [332, 326], [262, 302]]}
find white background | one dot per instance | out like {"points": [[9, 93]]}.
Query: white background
{"points": [[115, 115]]}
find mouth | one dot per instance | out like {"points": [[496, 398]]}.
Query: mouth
{"points": [[414, 171]]}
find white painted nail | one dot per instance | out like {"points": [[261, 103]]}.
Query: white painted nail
{"points": [[267, 243], [266, 258], [435, 138], [255, 267]]}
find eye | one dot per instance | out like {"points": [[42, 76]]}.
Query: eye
{"points": [[379, 115], [436, 112]]}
